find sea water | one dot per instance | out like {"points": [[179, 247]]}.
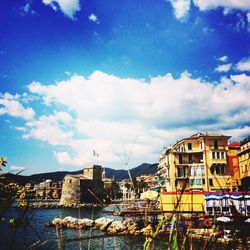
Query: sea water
{"points": [[32, 233]]}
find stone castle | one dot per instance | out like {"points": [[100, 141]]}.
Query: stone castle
{"points": [[83, 188]]}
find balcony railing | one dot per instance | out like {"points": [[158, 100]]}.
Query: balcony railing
{"points": [[189, 162], [218, 148]]}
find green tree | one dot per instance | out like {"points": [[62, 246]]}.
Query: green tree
{"points": [[113, 191]]}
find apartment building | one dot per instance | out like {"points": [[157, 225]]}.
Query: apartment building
{"points": [[196, 163], [244, 162]]}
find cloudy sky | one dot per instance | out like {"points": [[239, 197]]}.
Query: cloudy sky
{"points": [[122, 79]]}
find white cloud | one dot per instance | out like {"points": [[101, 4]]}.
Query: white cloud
{"points": [[93, 18], [20, 128], [26, 8], [241, 23], [227, 4], [243, 65], [116, 116], [18, 168], [248, 20], [51, 129], [181, 7], [10, 105], [64, 158], [223, 67], [68, 7], [223, 58]]}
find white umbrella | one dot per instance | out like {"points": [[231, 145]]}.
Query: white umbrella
{"points": [[151, 195], [223, 219], [248, 220]]}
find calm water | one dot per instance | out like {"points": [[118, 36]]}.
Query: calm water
{"points": [[24, 237]]}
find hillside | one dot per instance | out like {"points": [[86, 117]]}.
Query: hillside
{"points": [[143, 169]]}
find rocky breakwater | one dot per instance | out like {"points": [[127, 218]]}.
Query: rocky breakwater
{"points": [[57, 205], [107, 225]]}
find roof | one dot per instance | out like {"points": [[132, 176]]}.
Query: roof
{"points": [[199, 135], [234, 144], [246, 140]]}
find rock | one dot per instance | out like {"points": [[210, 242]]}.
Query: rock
{"points": [[125, 232], [111, 231], [132, 227], [103, 223], [86, 222], [118, 225], [69, 220], [147, 231], [56, 221], [128, 222], [137, 232], [115, 227]]}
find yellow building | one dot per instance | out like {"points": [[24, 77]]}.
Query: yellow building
{"points": [[196, 163], [233, 163], [244, 162]]}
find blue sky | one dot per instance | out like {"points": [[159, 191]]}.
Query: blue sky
{"points": [[123, 78]]}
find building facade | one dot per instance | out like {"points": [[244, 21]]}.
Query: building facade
{"points": [[196, 163], [233, 163], [244, 162]]}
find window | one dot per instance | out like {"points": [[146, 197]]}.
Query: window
{"points": [[189, 146], [211, 182], [197, 182], [167, 159], [222, 155], [201, 157], [70, 181], [215, 144], [213, 155], [181, 172], [180, 159], [201, 145], [196, 171], [218, 155], [167, 172], [190, 159], [218, 169]]}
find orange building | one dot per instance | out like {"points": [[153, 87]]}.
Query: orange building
{"points": [[233, 163]]}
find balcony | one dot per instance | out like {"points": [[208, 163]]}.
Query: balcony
{"points": [[218, 148], [191, 151], [182, 176], [219, 161], [189, 162]]}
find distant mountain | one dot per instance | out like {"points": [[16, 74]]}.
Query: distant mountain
{"points": [[55, 176], [143, 169]]}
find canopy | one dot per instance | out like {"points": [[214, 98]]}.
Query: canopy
{"points": [[151, 195], [223, 219]]}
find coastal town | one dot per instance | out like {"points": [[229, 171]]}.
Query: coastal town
{"points": [[202, 179], [203, 162], [125, 125]]}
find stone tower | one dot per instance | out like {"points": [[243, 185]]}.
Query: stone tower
{"points": [[93, 172], [83, 188]]}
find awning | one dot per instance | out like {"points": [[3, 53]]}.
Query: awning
{"points": [[155, 189]]}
